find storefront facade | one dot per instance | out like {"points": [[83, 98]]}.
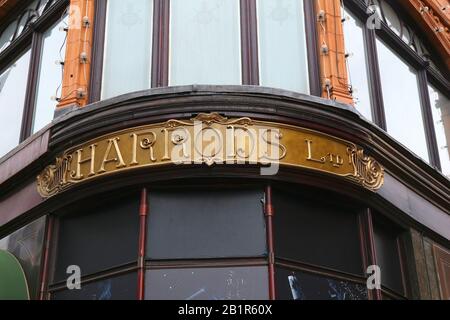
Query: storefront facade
{"points": [[220, 150]]}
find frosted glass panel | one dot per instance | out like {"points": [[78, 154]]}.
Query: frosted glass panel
{"points": [[440, 106], [402, 101], [282, 45], [204, 42], [13, 84], [355, 44], [50, 75], [128, 46]]}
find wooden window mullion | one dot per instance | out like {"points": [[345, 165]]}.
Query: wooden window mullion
{"points": [[249, 42], [430, 133], [160, 52], [368, 246], [31, 91]]}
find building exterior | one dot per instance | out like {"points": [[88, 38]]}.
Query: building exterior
{"points": [[225, 149]]}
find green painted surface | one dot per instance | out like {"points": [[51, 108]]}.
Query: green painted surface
{"points": [[13, 283]]}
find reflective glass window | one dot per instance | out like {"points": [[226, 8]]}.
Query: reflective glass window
{"points": [[232, 283]]}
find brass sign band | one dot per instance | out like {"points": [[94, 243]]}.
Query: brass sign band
{"points": [[210, 139]]}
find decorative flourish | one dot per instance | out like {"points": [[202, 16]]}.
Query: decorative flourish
{"points": [[54, 178], [209, 119], [368, 171]]}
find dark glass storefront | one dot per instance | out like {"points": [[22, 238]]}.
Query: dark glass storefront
{"points": [[209, 242]]}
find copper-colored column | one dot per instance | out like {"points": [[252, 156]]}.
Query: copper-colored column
{"points": [[143, 213], [269, 212]]}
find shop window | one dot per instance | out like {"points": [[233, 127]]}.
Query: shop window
{"points": [[50, 74], [402, 101], [26, 245], [203, 223], [204, 42], [29, 81], [399, 67], [440, 106], [210, 42], [232, 283], [388, 256], [357, 63], [311, 231], [22, 21], [282, 45], [442, 262], [98, 237], [128, 47], [116, 288], [297, 285], [13, 84], [390, 16]]}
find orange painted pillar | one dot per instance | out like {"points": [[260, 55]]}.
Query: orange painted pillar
{"points": [[78, 54], [333, 69]]}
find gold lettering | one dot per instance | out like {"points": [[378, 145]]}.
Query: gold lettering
{"points": [[77, 175], [166, 156], [211, 141], [246, 143], [112, 142], [268, 141], [310, 153], [339, 161], [146, 143], [181, 138], [231, 146]]}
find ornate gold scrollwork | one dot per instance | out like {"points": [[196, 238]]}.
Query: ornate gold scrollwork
{"points": [[209, 119], [54, 178], [368, 171]]}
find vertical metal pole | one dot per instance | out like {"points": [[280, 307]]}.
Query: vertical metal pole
{"points": [[269, 213], [143, 213], [46, 257], [368, 246]]}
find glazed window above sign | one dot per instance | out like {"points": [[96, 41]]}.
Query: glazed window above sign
{"points": [[212, 140]]}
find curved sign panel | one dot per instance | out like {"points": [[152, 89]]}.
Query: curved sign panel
{"points": [[13, 283], [210, 139]]}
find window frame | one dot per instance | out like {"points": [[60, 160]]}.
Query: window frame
{"points": [[31, 38], [366, 217], [143, 264], [426, 72], [160, 51]]}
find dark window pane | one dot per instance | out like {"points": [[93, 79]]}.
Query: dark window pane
{"points": [[388, 258], [315, 232], [294, 285], [206, 224], [118, 288], [26, 245], [247, 283], [98, 238]]}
